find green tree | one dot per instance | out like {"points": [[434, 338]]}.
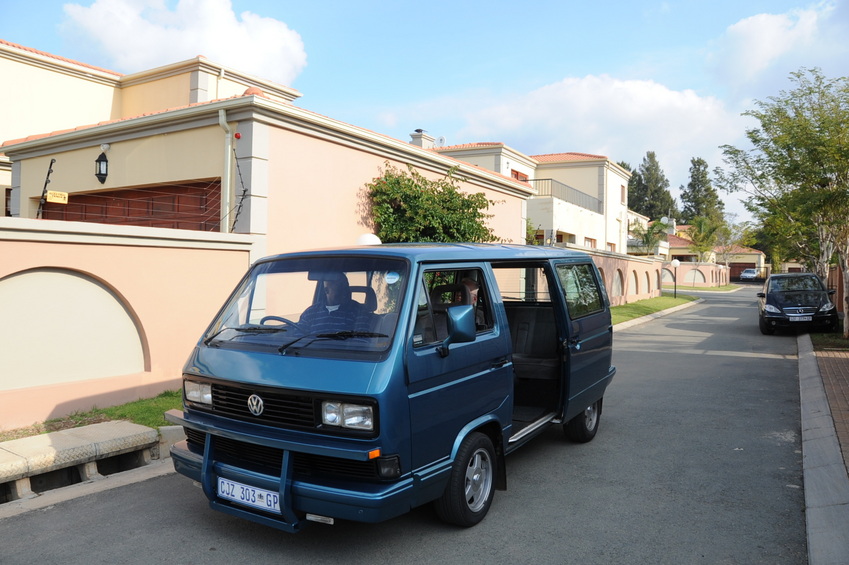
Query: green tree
{"points": [[648, 236], [798, 167], [700, 198], [704, 234], [408, 207], [648, 190], [730, 237]]}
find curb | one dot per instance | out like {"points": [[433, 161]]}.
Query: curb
{"points": [[32, 466], [654, 316], [825, 477]]}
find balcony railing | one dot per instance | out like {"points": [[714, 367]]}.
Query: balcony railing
{"points": [[551, 187]]}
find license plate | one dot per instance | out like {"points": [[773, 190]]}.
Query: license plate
{"points": [[800, 318], [248, 495]]}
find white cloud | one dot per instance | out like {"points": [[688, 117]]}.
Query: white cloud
{"points": [[135, 35], [598, 114], [758, 53], [621, 119]]}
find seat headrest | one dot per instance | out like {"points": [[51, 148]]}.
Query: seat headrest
{"points": [[445, 295], [365, 295]]}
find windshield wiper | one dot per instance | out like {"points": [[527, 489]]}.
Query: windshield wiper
{"points": [[246, 329], [348, 334], [337, 335]]}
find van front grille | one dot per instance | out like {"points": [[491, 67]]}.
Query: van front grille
{"points": [[280, 409], [269, 460]]}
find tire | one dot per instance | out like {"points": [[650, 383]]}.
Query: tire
{"points": [[765, 329], [471, 488], [583, 427]]}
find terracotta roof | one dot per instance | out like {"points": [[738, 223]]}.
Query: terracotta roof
{"points": [[57, 57], [738, 249], [560, 157], [469, 146], [675, 241], [249, 92]]}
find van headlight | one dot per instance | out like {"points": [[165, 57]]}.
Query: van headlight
{"points": [[199, 393], [346, 415], [827, 307]]}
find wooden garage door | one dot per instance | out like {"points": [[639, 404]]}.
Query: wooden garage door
{"points": [[189, 206]]}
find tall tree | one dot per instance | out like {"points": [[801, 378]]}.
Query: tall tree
{"points": [[798, 167], [700, 198], [730, 237], [648, 190]]}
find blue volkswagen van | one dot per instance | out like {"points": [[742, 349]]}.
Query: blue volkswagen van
{"points": [[357, 384]]}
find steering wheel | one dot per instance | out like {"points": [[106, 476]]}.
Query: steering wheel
{"points": [[279, 319]]}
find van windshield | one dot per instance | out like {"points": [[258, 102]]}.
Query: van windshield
{"points": [[314, 306]]}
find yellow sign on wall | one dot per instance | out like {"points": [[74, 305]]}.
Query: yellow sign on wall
{"points": [[57, 197]]}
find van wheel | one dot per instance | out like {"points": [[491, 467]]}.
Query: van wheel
{"points": [[765, 328], [583, 427], [470, 489]]}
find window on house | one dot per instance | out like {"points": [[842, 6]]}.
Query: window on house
{"points": [[8, 202], [623, 194], [611, 247], [518, 175], [590, 242]]}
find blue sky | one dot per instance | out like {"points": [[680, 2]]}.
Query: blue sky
{"points": [[617, 78]]}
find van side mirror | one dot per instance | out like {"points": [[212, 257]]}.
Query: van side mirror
{"points": [[461, 327]]}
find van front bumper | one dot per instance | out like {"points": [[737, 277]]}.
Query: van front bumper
{"points": [[361, 501]]}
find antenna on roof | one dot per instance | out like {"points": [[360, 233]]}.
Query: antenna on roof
{"points": [[440, 141]]}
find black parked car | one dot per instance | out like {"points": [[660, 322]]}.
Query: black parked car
{"points": [[795, 300]]}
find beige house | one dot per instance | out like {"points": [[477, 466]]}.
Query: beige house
{"points": [[735, 257], [163, 187], [580, 199], [134, 203]]}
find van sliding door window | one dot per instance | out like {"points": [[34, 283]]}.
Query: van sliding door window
{"points": [[580, 290]]}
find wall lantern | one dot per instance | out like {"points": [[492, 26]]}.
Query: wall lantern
{"points": [[101, 168]]}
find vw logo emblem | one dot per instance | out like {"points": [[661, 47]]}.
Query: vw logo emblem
{"points": [[255, 405]]}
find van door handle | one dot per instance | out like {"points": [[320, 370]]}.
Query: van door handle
{"points": [[499, 363], [575, 344]]}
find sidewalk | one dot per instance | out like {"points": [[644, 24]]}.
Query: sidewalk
{"points": [[834, 369], [824, 400]]}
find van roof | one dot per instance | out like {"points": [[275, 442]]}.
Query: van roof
{"points": [[430, 252]]}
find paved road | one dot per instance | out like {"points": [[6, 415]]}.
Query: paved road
{"points": [[698, 460]]}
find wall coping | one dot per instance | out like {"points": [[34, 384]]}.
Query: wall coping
{"points": [[59, 231]]}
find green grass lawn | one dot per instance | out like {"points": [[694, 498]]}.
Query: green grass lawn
{"points": [[645, 307], [829, 341], [147, 412]]}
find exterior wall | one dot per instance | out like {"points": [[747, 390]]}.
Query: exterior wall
{"points": [[155, 95], [627, 278], [580, 176], [553, 214], [166, 158], [64, 99], [696, 275], [616, 210], [316, 194], [103, 315]]}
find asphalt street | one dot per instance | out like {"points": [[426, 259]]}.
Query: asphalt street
{"points": [[698, 460]]}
